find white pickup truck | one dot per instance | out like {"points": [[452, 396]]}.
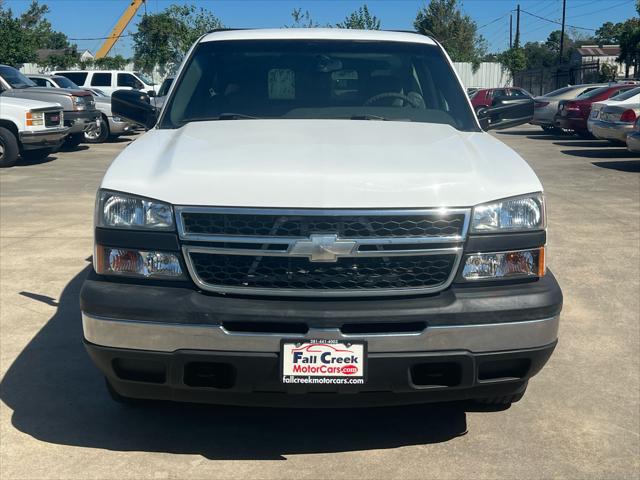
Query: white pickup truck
{"points": [[29, 128], [317, 217]]}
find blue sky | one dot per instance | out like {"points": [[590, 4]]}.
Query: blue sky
{"points": [[95, 18]]}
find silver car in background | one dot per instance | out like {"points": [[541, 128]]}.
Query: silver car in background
{"points": [[546, 106], [615, 121], [631, 97], [108, 126], [633, 138]]}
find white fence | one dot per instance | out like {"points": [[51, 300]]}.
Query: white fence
{"points": [[488, 75]]}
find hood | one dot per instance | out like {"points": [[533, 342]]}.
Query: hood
{"points": [[57, 91], [320, 164], [26, 103]]}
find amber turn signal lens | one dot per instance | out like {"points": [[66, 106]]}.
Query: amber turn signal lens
{"points": [[503, 265]]}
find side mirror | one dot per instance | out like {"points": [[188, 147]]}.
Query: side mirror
{"points": [[135, 106], [483, 118], [151, 93], [506, 112]]}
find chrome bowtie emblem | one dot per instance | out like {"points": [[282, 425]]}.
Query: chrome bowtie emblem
{"points": [[323, 248]]}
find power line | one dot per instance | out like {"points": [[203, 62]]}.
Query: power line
{"points": [[494, 21], [600, 9], [102, 38], [556, 22]]}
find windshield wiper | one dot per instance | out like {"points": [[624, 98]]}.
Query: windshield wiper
{"points": [[368, 117], [235, 116], [222, 116]]}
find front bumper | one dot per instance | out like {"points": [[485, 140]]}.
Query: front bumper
{"points": [[80, 121], [577, 124], [250, 378], [119, 128], [147, 338], [610, 130], [43, 139]]}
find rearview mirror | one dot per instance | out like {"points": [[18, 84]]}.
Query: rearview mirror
{"points": [[135, 106]]}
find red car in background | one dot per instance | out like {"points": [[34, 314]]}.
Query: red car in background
{"points": [[573, 114], [483, 97]]}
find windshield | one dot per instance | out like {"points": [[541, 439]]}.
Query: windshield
{"points": [[560, 91], [319, 79], [626, 95], [14, 78], [593, 93], [64, 82], [144, 78]]}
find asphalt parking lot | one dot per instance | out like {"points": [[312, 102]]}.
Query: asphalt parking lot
{"points": [[580, 417]]}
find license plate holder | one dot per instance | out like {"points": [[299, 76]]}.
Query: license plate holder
{"points": [[323, 362]]}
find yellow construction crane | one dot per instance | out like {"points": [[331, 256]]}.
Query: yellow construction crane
{"points": [[124, 20]]}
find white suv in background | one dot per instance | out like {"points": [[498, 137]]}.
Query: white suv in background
{"points": [[317, 216], [110, 80]]}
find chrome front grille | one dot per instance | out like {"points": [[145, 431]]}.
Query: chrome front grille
{"points": [[322, 252]]}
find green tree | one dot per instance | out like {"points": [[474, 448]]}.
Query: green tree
{"points": [[43, 36], [457, 32], [164, 38], [539, 55], [630, 45], [110, 63], [302, 19], [609, 33], [513, 60], [16, 45], [361, 19]]}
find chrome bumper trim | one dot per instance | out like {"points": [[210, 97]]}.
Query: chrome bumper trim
{"points": [[169, 337]]}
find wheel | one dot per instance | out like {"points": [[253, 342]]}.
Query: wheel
{"points": [[504, 400], [99, 133], [116, 397], [74, 140], [8, 148], [35, 155]]}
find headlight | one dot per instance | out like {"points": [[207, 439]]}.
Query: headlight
{"points": [[119, 210], [137, 263], [78, 103], [515, 214], [35, 119], [505, 265]]}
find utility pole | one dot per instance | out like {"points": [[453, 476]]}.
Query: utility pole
{"points": [[511, 31], [564, 12], [516, 42]]}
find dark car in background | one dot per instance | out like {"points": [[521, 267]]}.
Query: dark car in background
{"points": [[485, 97], [574, 114]]}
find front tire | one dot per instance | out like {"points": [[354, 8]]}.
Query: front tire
{"points": [[8, 148], [73, 140], [100, 133], [36, 155]]}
